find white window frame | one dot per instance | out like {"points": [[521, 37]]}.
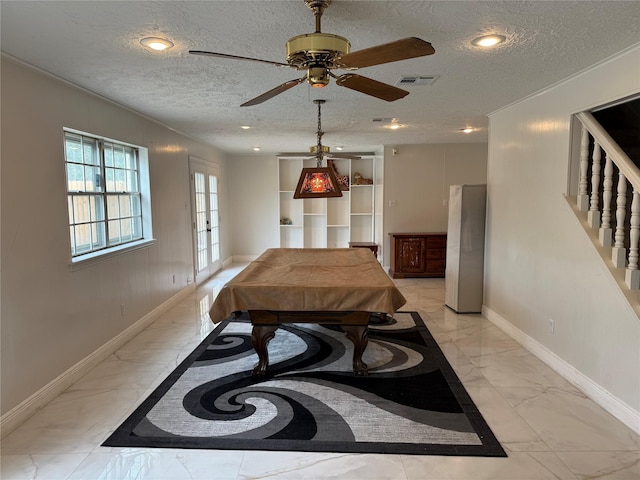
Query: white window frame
{"points": [[106, 252]]}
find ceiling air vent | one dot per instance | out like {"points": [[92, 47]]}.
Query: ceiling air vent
{"points": [[418, 80], [385, 120]]}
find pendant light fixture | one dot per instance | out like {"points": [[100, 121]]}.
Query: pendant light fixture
{"points": [[318, 182]]}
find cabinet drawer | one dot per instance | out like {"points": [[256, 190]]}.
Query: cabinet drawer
{"points": [[439, 241], [436, 267], [435, 254]]}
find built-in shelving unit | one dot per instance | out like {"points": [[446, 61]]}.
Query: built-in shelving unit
{"points": [[330, 222]]}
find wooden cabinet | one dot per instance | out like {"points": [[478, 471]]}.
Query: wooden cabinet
{"points": [[418, 254]]}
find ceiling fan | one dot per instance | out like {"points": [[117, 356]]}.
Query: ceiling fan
{"points": [[319, 53]]}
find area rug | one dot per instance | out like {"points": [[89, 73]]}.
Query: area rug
{"points": [[411, 402]]}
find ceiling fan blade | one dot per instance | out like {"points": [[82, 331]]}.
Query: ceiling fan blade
{"points": [[273, 92], [371, 87], [236, 57], [342, 155], [404, 49]]}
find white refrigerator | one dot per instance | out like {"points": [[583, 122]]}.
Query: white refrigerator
{"points": [[464, 270]]}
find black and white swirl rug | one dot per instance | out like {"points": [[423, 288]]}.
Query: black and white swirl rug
{"points": [[411, 402]]}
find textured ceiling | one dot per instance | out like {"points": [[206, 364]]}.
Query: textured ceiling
{"points": [[96, 45]]}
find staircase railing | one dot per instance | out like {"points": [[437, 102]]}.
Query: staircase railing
{"points": [[599, 183]]}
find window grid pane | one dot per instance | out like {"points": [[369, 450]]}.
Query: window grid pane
{"points": [[98, 220]]}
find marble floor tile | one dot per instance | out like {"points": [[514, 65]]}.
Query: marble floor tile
{"points": [[486, 340], [321, 466], [468, 373], [160, 464], [603, 465], [39, 467], [511, 430], [568, 421], [518, 466], [75, 422], [548, 428], [115, 374], [518, 368]]}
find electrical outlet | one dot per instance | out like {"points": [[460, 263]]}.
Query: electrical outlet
{"points": [[552, 325], [174, 278]]}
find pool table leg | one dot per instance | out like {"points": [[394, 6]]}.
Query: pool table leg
{"points": [[260, 337], [359, 335]]}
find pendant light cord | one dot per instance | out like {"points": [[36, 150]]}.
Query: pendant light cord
{"points": [[319, 135]]}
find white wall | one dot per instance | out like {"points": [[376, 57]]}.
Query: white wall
{"points": [[51, 317], [417, 180], [539, 263], [253, 187]]}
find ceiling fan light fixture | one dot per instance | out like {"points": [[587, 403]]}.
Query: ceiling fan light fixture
{"points": [[156, 43], [318, 76], [487, 41]]}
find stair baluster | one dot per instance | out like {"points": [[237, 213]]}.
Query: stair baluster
{"points": [[594, 199], [605, 229], [583, 182], [593, 216], [632, 275], [619, 252]]}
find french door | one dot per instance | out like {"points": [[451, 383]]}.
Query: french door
{"points": [[205, 219]]}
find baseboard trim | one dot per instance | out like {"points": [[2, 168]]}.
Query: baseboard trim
{"points": [[21, 412], [244, 258], [612, 404]]}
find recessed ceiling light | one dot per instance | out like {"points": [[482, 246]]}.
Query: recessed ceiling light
{"points": [[394, 126], [467, 130], [245, 127], [156, 43], [488, 40], [339, 149], [256, 149]]}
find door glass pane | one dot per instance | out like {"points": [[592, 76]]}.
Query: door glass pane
{"points": [[213, 215], [201, 220]]}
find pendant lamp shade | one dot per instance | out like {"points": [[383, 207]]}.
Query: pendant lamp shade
{"points": [[318, 182]]}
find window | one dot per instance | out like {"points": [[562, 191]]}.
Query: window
{"points": [[104, 195]]}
